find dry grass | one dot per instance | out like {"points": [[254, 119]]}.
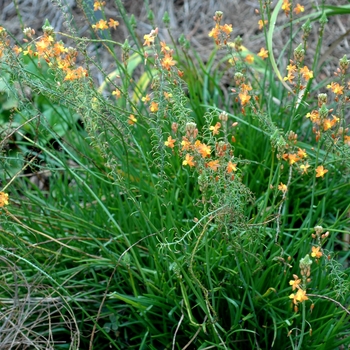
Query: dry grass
{"points": [[31, 312]]}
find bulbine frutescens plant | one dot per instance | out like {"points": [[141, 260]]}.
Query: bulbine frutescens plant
{"points": [[200, 221]]}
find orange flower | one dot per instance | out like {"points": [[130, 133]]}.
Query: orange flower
{"points": [[29, 51], [299, 8], [101, 24], [215, 128], [315, 252], [249, 59], [327, 124], [146, 98], [226, 28], [215, 32], [244, 97], [4, 199], [336, 88], [282, 187], [314, 116], [164, 48], [59, 48], [153, 107], [293, 158], [304, 167], [185, 144], [290, 77], [149, 38], [300, 296], [170, 142], [263, 53], [307, 74], [203, 149], [262, 23], [188, 160], [295, 284], [320, 171], [167, 95], [286, 7], [231, 167], [113, 24], [167, 62], [213, 164], [116, 93], [98, 5], [302, 153], [132, 120], [291, 68], [73, 74], [245, 87], [17, 50]]}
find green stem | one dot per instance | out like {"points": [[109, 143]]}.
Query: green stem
{"points": [[302, 326]]}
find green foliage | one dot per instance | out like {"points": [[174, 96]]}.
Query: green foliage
{"points": [[163, 209]]}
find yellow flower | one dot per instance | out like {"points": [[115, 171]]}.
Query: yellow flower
{"points": [[170, 142], [315, 252], [320, 171], [263, 53], [188, 160], [4, 199]]}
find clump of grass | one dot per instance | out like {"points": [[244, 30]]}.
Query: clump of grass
{"points": [[166, 227]]}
